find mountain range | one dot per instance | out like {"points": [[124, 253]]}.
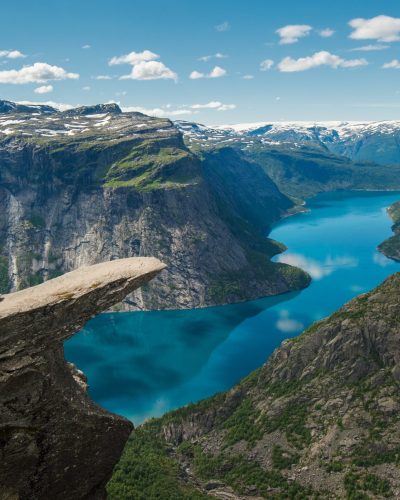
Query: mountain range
{"points": [[93, 184]]}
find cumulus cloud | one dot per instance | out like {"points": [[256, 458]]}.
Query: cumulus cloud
{"points": [[218, 55], [37, 73], [87, 88], [394, 64], [225, 26], [370, 47], [248, 77], [323, 58], [169, 111], [44, 89], [216, 72], [217, 105], [133, 58], [326, 33], [158, 112], [293, 32], [381, 28], [103, 77], [150, 70], [195, 75], [144, 66], [288, 325], [58, 105], [11, 54], [266, 64], [87, 46]]}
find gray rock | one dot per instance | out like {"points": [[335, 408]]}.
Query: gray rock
{"points": [[55, 443]]}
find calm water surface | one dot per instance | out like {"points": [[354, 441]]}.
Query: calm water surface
{"points": [[143, 364]]}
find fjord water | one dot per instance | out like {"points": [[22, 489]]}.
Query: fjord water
{"points": [[143, 364]]}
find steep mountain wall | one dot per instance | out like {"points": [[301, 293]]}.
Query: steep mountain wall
{"points": [[91, 185]]}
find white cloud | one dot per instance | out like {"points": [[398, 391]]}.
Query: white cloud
{"points": [[44, 89], [326, 33], [144, 66], [381, 28], [103, 77], [322, 58], [87, 46], [195, 75], [288, 325], [316, 269], [225, 26], [292, 32], [150, 70], [86, 88], [218, 55], [217, 105], [394, 64], [58, 105], [11, 54], [133, 58], [248, 77], [370, 48], [169, 111], [266, 64], [37, 73], [159, 112], [216, 72], [226, 107]]}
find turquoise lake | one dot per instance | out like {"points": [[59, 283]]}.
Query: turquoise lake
{"points": [[143, 364]]}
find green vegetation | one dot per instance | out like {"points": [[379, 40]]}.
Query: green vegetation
{"points": [[243, 425], [35, 279], [151, 165], [292, 420], [357, 484], [4, 279], [282, 459], [146, 472], [244, 475], [37, 221]]}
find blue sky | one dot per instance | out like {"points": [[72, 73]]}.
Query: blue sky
{"points": [[271, 60]]}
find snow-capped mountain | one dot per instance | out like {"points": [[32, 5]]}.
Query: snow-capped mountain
{"points": [[368, 141]]}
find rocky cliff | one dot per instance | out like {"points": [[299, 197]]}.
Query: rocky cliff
{"points": [[95, 184], [391, 246], [55, 443], [319, 420]]}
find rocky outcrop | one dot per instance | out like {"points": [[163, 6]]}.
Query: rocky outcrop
{"points": [[391, 246], [55, 443], [319, 420]]}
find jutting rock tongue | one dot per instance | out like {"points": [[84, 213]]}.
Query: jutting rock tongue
{"points": [[54, 441]]}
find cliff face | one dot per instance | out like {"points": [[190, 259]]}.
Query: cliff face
{"points": [[391, 246], [95, 184], [319, 418], [55, 442]]}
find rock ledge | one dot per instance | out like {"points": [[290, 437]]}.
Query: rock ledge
{"points": [[54, 441]]}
